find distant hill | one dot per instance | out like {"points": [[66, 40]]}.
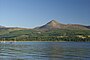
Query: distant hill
{"points": [[53, 24], [4, 29], [56, 25], [2, 26], [52, 31], [88, 27], [15, 28]]}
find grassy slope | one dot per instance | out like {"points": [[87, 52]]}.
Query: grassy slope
{"points": [[43, 35]]}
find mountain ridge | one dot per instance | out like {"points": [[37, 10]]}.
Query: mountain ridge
{"points": [[51, 31], [53, 24]]}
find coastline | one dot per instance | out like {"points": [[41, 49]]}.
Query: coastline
{"points": [[32, 41]]}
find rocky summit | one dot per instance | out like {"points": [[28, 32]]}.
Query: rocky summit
{"points": [[53, 24]]}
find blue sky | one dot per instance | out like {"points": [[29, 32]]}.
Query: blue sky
{"points": [[32, 13]]}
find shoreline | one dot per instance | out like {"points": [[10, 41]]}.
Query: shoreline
{"points": [[33, 41]]}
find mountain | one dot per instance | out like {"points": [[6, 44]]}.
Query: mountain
{"points": [[52, 31], [53, 24], [2, 26], [11, 28], [88, 27]]}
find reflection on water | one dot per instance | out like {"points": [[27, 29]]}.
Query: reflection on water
{"points": [[45, 51]]}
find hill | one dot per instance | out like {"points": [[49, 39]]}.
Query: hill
{"points": [[52, 31], [56, 25]]}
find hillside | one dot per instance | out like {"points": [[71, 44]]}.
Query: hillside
{"points": [[52, 31], [56, 25]]}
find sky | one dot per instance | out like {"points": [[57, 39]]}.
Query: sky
{"points": [[33, 13]]}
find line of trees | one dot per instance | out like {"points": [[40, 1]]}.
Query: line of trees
{"points": [[52, 35], [48, 38]]}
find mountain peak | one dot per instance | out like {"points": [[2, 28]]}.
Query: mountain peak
{"points": [[53, 22]]}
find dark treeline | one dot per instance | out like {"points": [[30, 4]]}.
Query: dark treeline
{"points": [[47, 39], [47, 35]]}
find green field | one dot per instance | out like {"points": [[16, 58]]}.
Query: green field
{"points": [[47, 35]]}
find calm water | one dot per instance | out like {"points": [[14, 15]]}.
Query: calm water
{"points": [[45, 51]]}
